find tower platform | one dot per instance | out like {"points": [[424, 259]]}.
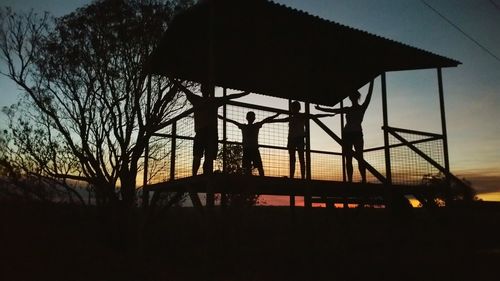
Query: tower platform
{"points": [[283, 186]]}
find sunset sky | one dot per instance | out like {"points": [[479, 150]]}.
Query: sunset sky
{"points": [[472, 90]]}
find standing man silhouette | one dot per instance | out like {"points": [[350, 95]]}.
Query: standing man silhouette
{"points": [[205, 125], [352, 133]]}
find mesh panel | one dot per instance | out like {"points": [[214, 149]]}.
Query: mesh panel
{"points": [[159, 159], [274, 134], [326, 166], [275, 161], [377, 160], [408, 168]]}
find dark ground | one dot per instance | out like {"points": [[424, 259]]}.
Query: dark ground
{"points": [[50, 242]]}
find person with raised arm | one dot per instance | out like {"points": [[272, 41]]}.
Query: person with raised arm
{"points": [[352, 133], [205, 125], [250, 133]]}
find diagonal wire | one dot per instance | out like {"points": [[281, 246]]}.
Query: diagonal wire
{"points": [[495, 4], [461, 31]]}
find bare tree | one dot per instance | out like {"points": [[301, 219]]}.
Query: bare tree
{"points": [[234, 158], [30, 157], [90, 103]]}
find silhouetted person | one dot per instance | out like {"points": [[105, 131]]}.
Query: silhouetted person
{"points": [[205, 126], [352, 133], [296, 134], [250, 133]]}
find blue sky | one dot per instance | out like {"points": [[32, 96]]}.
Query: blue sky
{"points": [[472, 90]]}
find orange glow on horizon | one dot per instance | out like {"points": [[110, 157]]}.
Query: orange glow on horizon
{"points": [[490, 196]]}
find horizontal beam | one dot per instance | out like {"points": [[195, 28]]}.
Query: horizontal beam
{"points": [[408, 131], [349, 200], [241, 184], [402, 144], [260, 146], [312, 150]]}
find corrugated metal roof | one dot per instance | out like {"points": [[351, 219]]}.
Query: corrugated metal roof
{"points": [[268, 48]]}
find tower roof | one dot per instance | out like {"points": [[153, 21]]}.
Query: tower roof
{"points": [[267, 48]]}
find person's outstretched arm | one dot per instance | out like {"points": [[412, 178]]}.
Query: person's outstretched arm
{"points": [[192, 98], [368, 96], [230, 121], [269, 119], [332, 110], [323, 115], [277, 120]]}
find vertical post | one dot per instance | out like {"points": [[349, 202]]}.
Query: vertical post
{"points": [[443, 121], [223, 197], [292, 197], [388, 172], [209, 169], [224, 134], [307, 197], [145, 191], [308, 143], [210, 196], [173, 147], [445, 134], [344, 175]]}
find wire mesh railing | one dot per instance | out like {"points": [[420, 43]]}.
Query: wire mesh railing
{"points": [[173, 148]]}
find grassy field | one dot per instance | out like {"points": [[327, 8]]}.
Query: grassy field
{"points": [[50, 242]]}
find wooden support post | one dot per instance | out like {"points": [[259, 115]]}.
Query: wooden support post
{"points": [[224, 134], [344, 175], [210, 195], [307, 197], [388, 172], [145, 197], [308, 144], [444, 132], [173, 147], [292, 197], [443, 121], [210, 200], [145, 192], [223, 196]]}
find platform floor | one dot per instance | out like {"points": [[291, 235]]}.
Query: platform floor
{"points": [[234, 184]]}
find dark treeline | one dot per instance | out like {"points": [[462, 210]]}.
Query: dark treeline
{"points": [[63, 242]]}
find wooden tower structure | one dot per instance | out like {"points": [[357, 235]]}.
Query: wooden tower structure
{"points": [[270, 49]]}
